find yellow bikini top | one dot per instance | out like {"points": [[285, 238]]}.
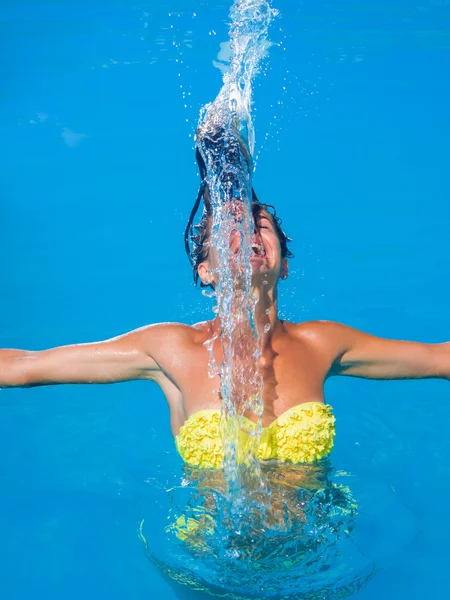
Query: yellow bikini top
{"points": [[302, 434]]}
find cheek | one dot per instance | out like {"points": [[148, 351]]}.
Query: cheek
{"points": [[272, 240], [213, 259]]}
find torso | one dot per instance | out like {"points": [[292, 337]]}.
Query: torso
{"points": [[294, 366]]}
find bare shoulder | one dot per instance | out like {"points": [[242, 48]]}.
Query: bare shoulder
{"points": [[165, 333], [329, 336], [165, 340], [315, 329]]}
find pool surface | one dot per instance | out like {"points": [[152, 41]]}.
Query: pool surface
{"points": [[98, 111]]}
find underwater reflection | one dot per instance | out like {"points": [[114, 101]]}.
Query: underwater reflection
{"points": [[294, 541]]}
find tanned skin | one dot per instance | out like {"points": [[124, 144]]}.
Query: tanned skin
{"points": [[295, 362]]}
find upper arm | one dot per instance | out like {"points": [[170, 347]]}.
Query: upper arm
{"points": [[123, 358], [359, 354]]}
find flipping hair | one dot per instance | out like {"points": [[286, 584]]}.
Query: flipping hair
{"points": [[196, 243]]}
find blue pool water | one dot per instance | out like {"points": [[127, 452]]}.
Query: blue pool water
{"points": [[98, 178]]}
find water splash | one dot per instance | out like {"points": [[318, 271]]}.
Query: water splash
{"points": [[251, 530], [225, 139], [305, 551]]}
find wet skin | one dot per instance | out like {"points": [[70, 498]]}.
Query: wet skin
{"points": [[296, 358]]}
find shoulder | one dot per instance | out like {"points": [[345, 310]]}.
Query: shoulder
{"points": [[317, 329], [328, 335], [167, 334]]}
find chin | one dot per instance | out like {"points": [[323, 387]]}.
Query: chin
{"points": [[260, 274]]}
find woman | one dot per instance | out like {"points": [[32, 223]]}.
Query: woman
{"points": [[295, 360]]}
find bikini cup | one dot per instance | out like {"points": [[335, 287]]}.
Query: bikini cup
{"points": [[303, 434]]}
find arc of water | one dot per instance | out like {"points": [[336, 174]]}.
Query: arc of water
{"points": [[225, 138]]}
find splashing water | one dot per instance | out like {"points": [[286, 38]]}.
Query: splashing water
{"points": [[225, 139], [250, 530], [303, 552]]}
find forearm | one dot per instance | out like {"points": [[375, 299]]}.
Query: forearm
{"points": [[13, 372]]}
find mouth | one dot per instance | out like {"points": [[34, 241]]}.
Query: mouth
{"points": [[258, 250]]}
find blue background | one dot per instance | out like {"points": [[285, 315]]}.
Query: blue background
{"points": [[100, 102]]}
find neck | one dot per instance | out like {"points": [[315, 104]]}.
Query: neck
{"points": [[266, 314]]}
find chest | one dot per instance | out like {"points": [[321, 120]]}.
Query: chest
{"points": [[293, 372]]}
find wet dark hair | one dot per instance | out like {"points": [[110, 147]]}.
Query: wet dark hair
{"points": [[199, 240]]}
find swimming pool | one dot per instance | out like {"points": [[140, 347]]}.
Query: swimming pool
{"points": [[98, 179]]}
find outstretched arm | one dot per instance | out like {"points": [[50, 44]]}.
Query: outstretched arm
{"points": [[123, 358], [359, 354]]}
